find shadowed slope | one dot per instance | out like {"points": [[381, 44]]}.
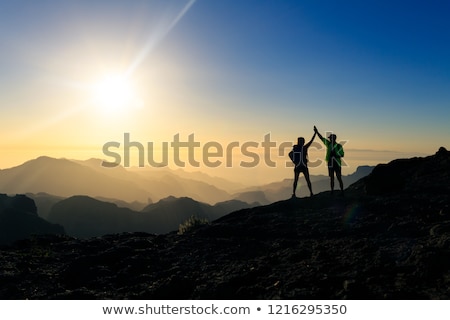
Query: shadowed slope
{"points": [[19, 220]]}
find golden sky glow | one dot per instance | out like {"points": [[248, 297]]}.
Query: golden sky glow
{"points": [[75, 77]]}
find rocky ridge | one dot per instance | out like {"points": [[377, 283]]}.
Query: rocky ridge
{"points": [[388, 237], [19, 219]]}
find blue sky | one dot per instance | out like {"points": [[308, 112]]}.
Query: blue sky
{"points": [[377, 73]]}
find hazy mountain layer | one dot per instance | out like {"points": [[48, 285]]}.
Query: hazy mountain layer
{"points": [[66, 178], [134, 188]]}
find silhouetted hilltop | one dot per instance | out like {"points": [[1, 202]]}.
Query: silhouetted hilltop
{"points": [[172, 204], [379, 241], [83, 217], [135, 205], [19, 219], [45, 202], [225, 207], [171, 211], [422, 175], [65, 178]]}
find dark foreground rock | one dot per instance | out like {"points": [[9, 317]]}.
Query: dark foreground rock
{"points": [[369, 244]]}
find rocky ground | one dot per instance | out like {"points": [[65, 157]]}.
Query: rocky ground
{"points": [[388, 237]]}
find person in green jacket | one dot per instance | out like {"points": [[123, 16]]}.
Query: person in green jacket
{"points": [[335, 152]]}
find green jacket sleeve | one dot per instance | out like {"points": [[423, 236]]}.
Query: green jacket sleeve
{"points": [[340, 150]]}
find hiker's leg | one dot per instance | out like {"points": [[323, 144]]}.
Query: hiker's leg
{"points": [[308, 181], [296, 174], [331, 174], [339, 176]]}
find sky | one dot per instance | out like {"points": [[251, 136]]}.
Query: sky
{"points": [[75, 75]]}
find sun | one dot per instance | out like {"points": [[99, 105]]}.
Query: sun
{"points": [[114, 93]]}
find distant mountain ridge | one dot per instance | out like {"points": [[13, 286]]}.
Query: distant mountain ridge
{"points": [[62, 177], [135, 188], [65, 178]]}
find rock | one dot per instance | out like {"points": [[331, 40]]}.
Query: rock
{"points": [[382, 244], [19, 220], [442, 152]]}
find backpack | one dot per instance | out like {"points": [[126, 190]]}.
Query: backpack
{"points": [[296, 156]]}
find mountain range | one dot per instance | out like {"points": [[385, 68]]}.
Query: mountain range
{"points": [[89, 200], [65, 178], [84, 217], [386, 237], [136, 187]]}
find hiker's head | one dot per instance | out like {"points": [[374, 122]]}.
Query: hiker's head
{"points": [[300, 141], [332, 137]]}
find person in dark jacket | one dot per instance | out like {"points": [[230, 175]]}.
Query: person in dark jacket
{"points": [[299, 155]]}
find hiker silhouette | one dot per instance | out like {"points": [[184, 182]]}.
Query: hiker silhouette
{"points": [[335, 152], [299, 155]]}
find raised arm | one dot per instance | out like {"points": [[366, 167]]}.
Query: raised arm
{"points": [[318, 133], [312, 139]]}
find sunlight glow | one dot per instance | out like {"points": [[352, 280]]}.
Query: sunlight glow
{"points": [[114, 93]]}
